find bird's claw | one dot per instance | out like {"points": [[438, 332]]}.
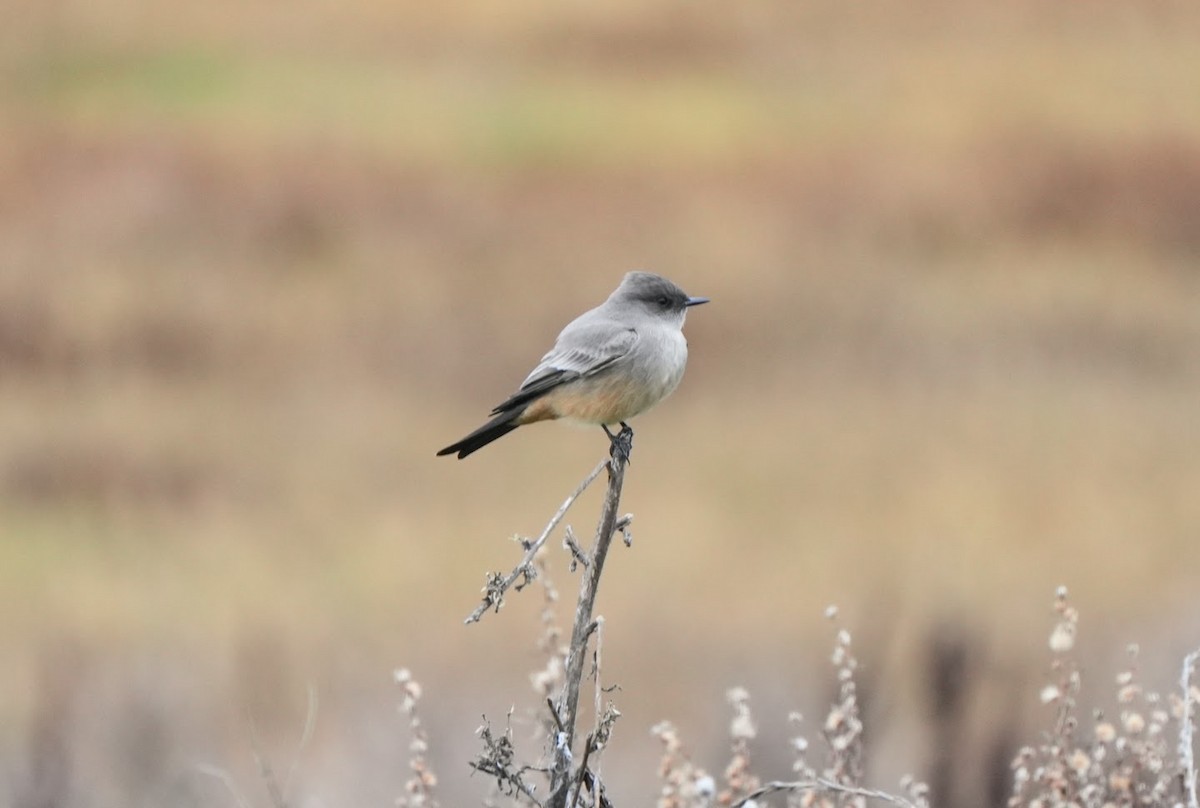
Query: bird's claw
{"points": [[621, 443]]}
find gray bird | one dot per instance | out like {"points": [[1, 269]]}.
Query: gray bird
{"points": [[608, 365]]}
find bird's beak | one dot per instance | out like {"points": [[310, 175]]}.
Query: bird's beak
{"points": [[695, 301]]}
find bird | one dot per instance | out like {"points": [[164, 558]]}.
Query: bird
{"points": [[607, 365]]}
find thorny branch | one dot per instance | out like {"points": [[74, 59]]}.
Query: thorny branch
{"points": [[497, 586]]}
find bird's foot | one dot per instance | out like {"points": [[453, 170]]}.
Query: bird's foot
{"points": [[622, 442]]}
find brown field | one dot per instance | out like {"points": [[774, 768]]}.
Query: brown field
{"points": [[258, 262]]}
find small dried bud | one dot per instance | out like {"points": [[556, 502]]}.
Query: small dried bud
{"points": [[742, 727], [917, 789], [1105, 732], [1062, 638], [1134, 723]]}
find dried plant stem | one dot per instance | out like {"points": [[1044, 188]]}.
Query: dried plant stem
{"points": [[276, 793], [494, 594], [227, 779], [568, 704], [310, 724], [820, 784], [1187, 750]]}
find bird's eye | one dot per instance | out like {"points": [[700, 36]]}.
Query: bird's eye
{"points": [[664, 302]]}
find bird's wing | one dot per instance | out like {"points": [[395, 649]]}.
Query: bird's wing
{"points": [[582, 349]]}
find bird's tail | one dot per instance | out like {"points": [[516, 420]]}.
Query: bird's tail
{"points": [[496, 428]]}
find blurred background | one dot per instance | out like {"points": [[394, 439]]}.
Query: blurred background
{"points": [[260, 260]]}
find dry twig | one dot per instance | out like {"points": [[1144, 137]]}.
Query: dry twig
{"points": [[497, 586], [819, 785], [1187, 749], [568, 703]]}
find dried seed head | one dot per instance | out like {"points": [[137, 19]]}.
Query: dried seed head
{"points": [[1062, 638], [1128, 693]]}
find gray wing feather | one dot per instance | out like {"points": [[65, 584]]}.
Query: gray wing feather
{"points": [[582, 349]]}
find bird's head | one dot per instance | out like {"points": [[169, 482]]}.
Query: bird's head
{"points": [[655, 295]]}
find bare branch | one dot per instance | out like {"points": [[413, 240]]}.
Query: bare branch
{"points": [[568, 704], [577, 555], [598, 627], [1187, 724], [554, 714], [818, 785], [623, 525], [499, 760], [583, 767], [497, 586]]}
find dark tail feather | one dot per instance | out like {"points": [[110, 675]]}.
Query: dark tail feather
{"points": [[496, 428]]}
